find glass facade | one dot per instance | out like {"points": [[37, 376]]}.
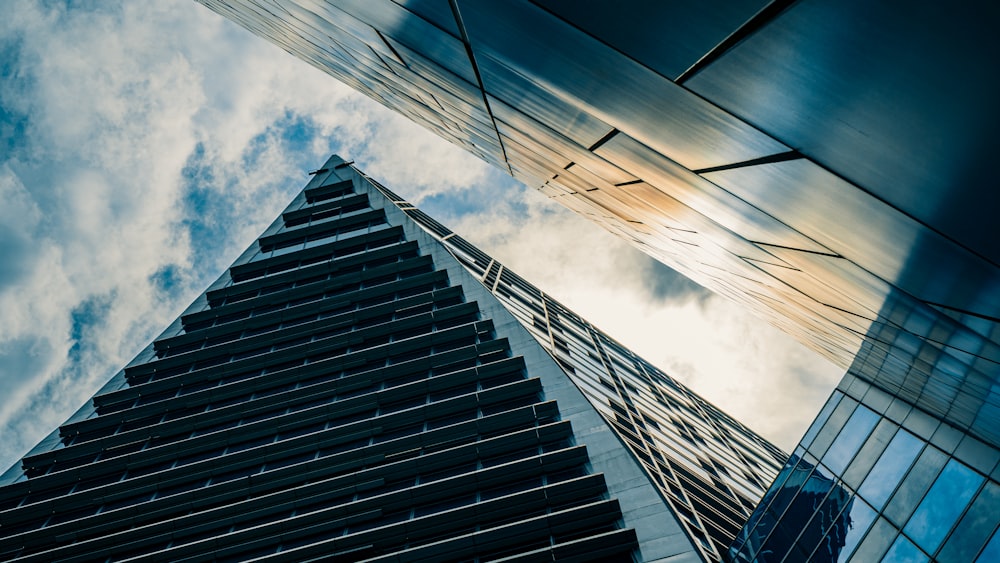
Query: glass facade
{"points": [[353, 388], [881, 480]]}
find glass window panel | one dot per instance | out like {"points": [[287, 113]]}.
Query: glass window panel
{"points": [[876, 542], [921, 423], [815, 509], [759, 524], [769, 524], [850, 438], [824, 531], [668, 37], [890, 468], [660, 114], [944, 503], [903, 551], [833, 426], [821, 418], [436, 12], [869, 453], [851, 526], [977, 455], [911, 490], [974, 528], [991, 554]]}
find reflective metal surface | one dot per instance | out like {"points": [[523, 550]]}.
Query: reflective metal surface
{"points": [[896, 97]]}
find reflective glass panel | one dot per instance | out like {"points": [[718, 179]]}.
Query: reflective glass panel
{"points": [[821, 418], [991, 553], [824, 532], [850, 439], [974, 528], [944, 503], [851, 526], [891, 467], [914, 486], [834, 424], [869, 453], [902, 551], [876, 542]]}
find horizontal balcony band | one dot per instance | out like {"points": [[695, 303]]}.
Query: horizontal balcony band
{"points": [[318, 474], [354, 337], [339, 272], [347, 223], [227, 462], [299, 326], [365, 455], [157, 430], [325, 294], [328, 191], [224, 389], [179, 518], [305, 213], [311, 256], [350, 361], [407, 531]]}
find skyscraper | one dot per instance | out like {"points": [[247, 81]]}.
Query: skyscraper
{"points": [[363, 384], [828, 164]]}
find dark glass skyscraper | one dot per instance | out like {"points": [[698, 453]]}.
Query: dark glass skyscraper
{"points": [[363, 384], [826, 163]]}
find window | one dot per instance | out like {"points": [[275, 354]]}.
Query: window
{"points": [[890, 468], [943, 504]]}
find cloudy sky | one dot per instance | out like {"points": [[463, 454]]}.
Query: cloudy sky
{"points": [[145, 144]]}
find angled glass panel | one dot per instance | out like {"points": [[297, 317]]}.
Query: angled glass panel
{"points": [[890, 468], [908, 254], [915, 484], [858, 289], [437, 12], [943, 504], [666, 173], [529, 98], [668, 37], [833, 425], [834, 512], [831, 403], [875, 544], [869, 453], [975, 527], [850, 528], [871, 111], [816, 202], [392, 20], [854, 433], [991, 553], [902, 551]]}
